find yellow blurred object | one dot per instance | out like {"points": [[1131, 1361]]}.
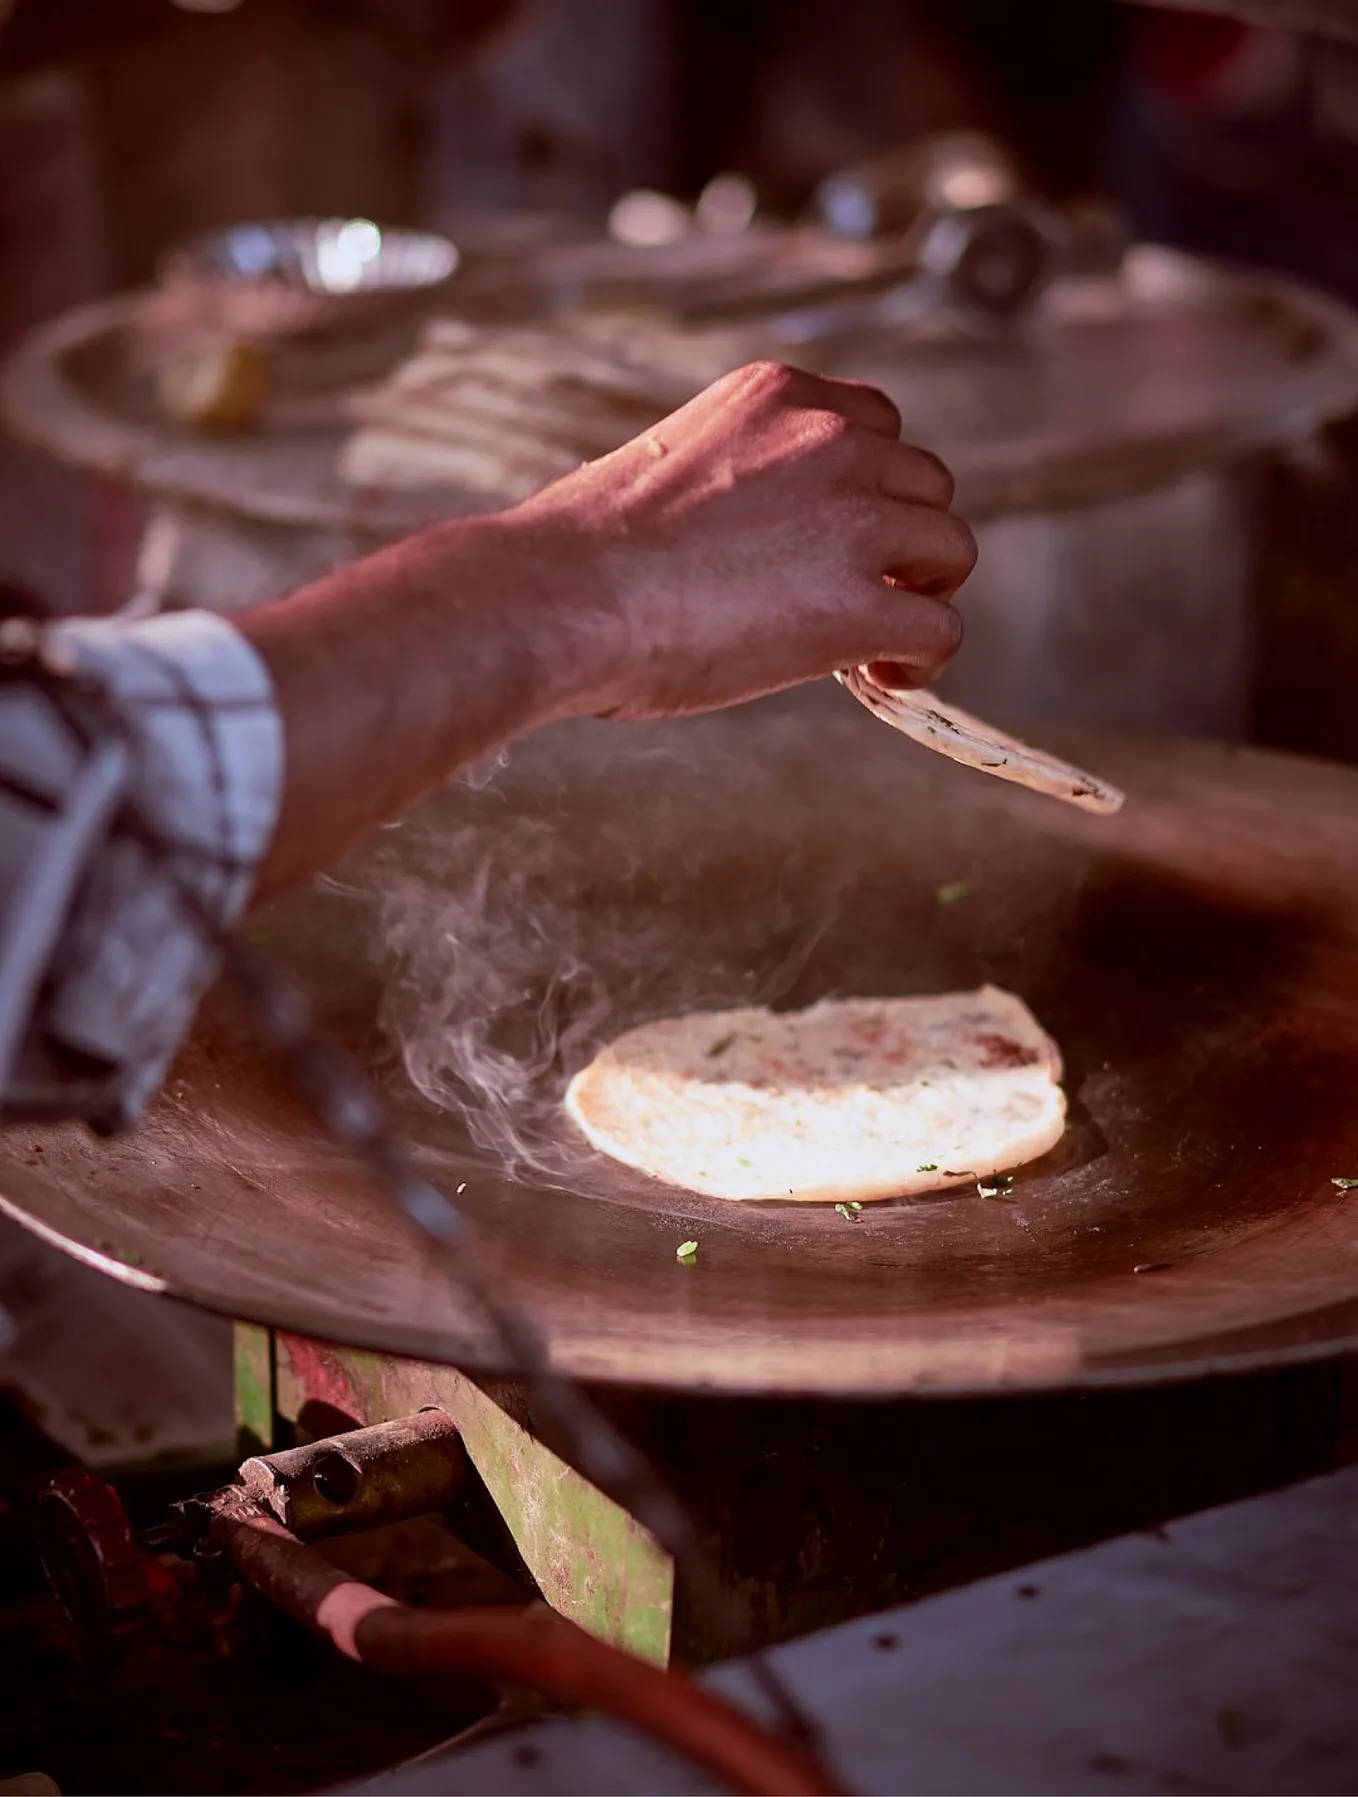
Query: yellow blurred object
{"points": [[215, 386]]}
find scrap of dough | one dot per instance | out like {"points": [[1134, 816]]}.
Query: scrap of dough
{"points": [[956, 734], [852, 1100]]}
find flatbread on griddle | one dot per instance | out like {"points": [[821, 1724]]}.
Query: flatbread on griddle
{"points": [[926, 719], [850, 1101]]}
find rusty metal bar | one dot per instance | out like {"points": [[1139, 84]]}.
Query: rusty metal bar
{"points": [[414, 1466]]}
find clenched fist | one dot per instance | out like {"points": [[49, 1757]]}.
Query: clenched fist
{"points": [[771, 531]]}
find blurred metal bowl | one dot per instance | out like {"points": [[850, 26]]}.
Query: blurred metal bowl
{"points": [[291, 277]]}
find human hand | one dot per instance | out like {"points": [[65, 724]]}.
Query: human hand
{"points": [[742, 545], [746, 543]]}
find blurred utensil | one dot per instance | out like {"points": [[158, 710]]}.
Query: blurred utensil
{"points": [[294, 277], [984, 265], [971, 243], [957, 172]]}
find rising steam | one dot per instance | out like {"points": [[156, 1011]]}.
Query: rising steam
{"points": [[598, 876], [558, 894]]}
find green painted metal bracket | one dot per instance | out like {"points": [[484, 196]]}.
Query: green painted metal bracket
{"points": [[591, 1560], [256, 1400]]}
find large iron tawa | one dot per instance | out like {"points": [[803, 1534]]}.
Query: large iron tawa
{"points": [[1196, 957]]}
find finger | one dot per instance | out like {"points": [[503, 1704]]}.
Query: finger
{"points": [[861, 405], [855, 401], [925, 550], [910, 638], [915, 475]]}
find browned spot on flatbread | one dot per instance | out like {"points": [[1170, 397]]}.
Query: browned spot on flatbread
{"points": [[1003, 1051]]}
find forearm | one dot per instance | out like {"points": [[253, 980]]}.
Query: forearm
{"points": [[396, 671], [737, 548], [772, 530]]}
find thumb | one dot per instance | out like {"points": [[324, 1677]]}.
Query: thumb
{"points": [[906, 639]]}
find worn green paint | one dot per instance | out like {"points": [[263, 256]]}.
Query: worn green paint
{"points": [[254, 1382], [591, 1560]]}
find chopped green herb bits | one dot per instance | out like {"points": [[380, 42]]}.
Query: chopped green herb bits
{"points": [[686, 1251]]}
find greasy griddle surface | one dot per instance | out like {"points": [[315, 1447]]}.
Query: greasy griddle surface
{"points": [[1195, 957]]}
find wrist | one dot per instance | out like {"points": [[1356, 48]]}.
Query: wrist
{"points": [[537, 578]]}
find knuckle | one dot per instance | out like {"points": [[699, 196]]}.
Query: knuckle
{"points": [[832, 434], [854, 515], [933, 472], [890, 411], [776, 379], [864, 395]]}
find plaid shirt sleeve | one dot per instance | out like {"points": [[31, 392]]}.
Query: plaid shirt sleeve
{"points": [[194, 707]]}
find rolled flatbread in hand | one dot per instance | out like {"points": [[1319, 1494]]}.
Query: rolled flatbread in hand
{"points": [[927, 720]]}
